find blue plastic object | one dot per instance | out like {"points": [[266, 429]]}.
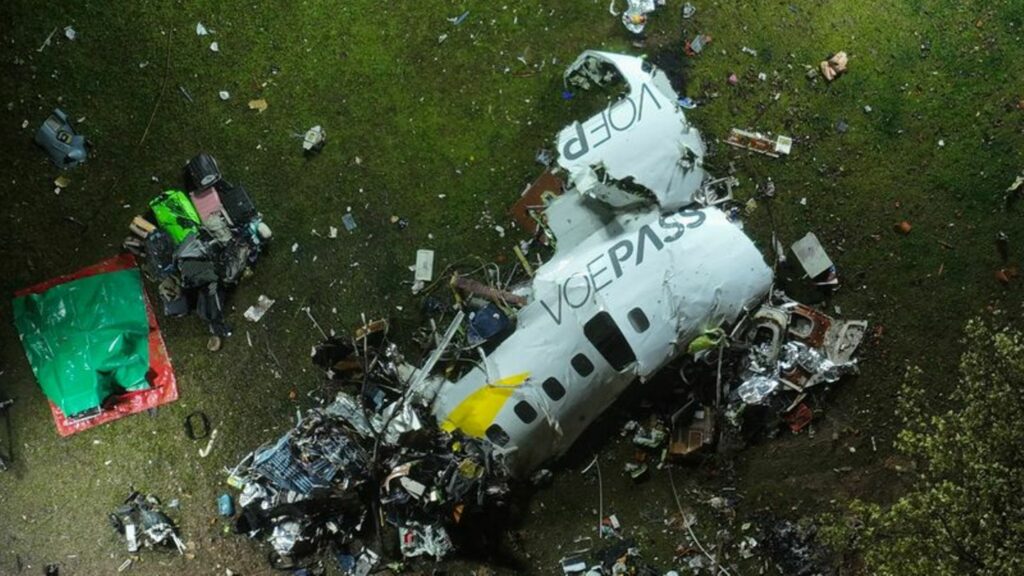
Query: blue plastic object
{"points": [[487, 323], [57, 136], [225, 505]]}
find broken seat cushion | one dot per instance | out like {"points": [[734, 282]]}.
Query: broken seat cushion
{"points": [[86, 339]]}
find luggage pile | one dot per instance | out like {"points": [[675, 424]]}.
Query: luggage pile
{"points": [[199, 243]]}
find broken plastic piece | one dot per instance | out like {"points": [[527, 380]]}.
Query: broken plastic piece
{"points": [[811, 255], [57, 136], [225, 505], [314, 139], [349, 221], [697, 45], [255, 312], [424, 266], [757, 142]]}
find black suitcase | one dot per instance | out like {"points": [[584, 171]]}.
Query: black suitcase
{"points": [[201, 172], [236, 202]]}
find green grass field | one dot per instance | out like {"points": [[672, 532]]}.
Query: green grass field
{"points": [[444, 135]]}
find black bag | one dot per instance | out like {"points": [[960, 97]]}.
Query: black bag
{"points": [[237, 204], [160, 254], [201, 172]]}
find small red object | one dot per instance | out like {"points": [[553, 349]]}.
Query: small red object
{"points": [[799, 418]]}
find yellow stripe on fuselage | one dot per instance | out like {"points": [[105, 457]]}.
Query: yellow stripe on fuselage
{"points": [[477, 412]]}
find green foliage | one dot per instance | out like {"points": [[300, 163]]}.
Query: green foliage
{"points": [[965, 511]]}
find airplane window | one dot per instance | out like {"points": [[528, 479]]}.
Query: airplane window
{"points": [[583, 365], [525, 412], [639, 320], [609, 341], [553, 388], [497, 435]]}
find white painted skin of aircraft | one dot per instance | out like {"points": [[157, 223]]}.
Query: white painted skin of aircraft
{"points": [[619, 306], [630, 285]]}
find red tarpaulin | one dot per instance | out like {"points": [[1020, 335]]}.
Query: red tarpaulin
{"points": [[163, 386]]}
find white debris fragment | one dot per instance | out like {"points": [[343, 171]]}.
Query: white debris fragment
{"points": [[295, 248], [424, 271], [314, 138], [332, 232], [500, 230], [214, 47], [257, 310], [201, 30], [204, 452], [70, 33], [224, 94], [811, 255]]}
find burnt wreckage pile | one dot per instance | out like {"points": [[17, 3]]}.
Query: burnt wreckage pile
{"points": [[368, 463], [761, 378], [203, 243], [791, 350]]}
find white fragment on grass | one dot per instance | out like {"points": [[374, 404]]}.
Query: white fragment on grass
{"points": [[423, 270], [224, 94], [500, 230], [204, 452], [295, 248], [332, 232], [70, 33], [201, 30], [255, 312], [214, 47]]}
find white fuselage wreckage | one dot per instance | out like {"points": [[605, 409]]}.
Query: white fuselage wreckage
{"points": [[641, 268]]}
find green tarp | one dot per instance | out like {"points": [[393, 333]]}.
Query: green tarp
{"points": [[86, 339]]}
